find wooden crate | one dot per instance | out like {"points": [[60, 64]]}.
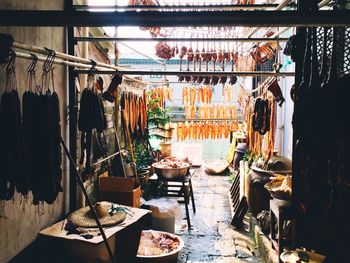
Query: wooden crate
{"points": [[119, 190]]}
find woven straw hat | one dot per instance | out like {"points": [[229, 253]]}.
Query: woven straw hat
{"points": [[84, 216]]}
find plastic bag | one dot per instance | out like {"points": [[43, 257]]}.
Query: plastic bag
{"points": [[165, 207]]}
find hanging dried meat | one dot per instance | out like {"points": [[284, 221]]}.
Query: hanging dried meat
{"points": [[205, 130], [185, 96], [163, 94], [263, 52], [134, 106], [227, 93], [261, 116], [163, 50], [10, 141], [192, 95]]}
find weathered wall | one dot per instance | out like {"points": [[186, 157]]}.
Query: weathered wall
{"points": [[21, 227]]}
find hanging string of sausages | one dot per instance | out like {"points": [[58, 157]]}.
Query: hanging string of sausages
{"points": [[14, 171], [30, 140], [260, 116], [204, 130]]}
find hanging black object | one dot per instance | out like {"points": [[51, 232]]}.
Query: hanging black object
{"points": [[291, 48], [6, 42], [109, 94], [261, 116], [300, 123], [91, 116], [42, 132], [14, 172]]}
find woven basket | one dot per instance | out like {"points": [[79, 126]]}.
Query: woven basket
{"points": [[84, 217]]}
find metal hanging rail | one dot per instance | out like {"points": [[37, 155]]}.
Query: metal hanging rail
{"points": [[41, 50], [183, 39], [178, 7], [202, 120], [193, 73], [69, 60], [336, 18], [74, 64]]}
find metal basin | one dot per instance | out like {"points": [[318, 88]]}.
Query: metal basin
{"points": [[171, 173], [171, 257]]}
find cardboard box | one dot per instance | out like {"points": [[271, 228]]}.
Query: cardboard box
{"points": [[119, 190]]}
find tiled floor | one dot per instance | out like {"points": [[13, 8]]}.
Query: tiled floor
{"points": [[212, 238]]}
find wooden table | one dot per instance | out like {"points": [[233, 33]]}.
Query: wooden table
{"points": [[179, 187], [123, 239]]}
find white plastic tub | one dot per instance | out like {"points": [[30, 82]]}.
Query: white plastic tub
{"points": [[164, 258]]}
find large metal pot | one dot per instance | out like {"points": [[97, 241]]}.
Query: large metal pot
{"points": [[276, 165], [171, 173]]}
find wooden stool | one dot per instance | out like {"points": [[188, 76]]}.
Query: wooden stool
{"points": [[281, 212]]}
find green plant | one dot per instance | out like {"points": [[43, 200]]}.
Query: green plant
{"points": [[157, 115], [142, 154]]}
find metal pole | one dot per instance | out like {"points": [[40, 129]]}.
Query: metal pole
{"points": [[81, 184], [201, 120], [72, 109], [177, 8], [175, 39], [192, 73], [41, 50], [86, 65]]}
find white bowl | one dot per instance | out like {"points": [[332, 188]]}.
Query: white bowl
{"points": [[163, 258]]}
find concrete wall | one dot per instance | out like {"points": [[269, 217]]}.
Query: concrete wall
{"points": [[287, 115], [23, 224]]}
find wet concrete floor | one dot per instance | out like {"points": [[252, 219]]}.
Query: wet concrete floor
{"points": [[211, 237]]}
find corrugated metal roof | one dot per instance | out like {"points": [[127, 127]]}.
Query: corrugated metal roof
{"points": [[145, 61]]}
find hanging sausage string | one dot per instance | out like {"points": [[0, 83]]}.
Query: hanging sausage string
{"points": [[31, 155]]}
